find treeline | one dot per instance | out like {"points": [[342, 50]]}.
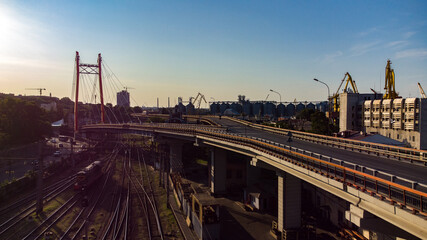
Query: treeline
{"points": [[319, 122], [22, 122]]}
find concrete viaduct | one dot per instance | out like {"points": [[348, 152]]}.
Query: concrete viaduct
{"points": [[383, 186]]}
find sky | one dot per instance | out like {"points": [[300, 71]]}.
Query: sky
{"points": [[222, 49]]}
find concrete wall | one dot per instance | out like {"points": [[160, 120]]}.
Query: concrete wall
{"points": [[350, 105], [423, 124]]}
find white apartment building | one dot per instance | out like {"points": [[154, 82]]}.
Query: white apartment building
{"points": [[401, 119]]}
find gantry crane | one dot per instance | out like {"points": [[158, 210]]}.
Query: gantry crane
{"points": [[390, 91], [423, 94], [334, 98], [38, 89], [199, 97]]}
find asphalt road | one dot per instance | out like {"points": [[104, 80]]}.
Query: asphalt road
{"points": [[402, 169]]}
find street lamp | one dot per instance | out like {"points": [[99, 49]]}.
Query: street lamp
{"points": [[280, 96], [329, 102], [317, 80]]}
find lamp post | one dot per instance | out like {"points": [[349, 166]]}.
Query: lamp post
{"points": [[329, 102], [317, 80], [280, 96]]}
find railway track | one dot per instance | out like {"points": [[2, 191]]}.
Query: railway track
{"points": [[59, 200], [82, 219], [32, 197], [11, 225], [118, 221], [145, 194]]}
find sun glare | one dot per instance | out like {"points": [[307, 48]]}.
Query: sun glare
{"points": [[8, 32], [19, 36]]}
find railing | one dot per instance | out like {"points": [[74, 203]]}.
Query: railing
{"points": [[400, 153], [386, 190]]}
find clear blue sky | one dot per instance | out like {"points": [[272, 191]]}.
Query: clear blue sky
{"points": [[219, 48]]}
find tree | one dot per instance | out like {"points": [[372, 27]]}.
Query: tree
{"points": [[22, 121], [319, 123], [304, 116]]}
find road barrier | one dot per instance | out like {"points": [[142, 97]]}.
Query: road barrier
{"points": [[399, 153]]}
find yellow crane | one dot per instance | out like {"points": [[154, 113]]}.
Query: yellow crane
{"points": [[334, 98], [423, 94], [389, 87]]}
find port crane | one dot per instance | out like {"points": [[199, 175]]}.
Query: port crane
{"points": [[334, 98], [199, 97], [423, 94], [389, 87], [38, 89]]}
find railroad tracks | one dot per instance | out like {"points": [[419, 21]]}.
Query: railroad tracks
{"points": [[121, 205], [12, 227], [145, 194], [60, 202]]}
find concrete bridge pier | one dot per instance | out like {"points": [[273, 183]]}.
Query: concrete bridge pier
{"points": [[218, 170], [289, 202]]}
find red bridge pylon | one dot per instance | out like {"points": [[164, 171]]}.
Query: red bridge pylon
{"points": [[82, 68]]}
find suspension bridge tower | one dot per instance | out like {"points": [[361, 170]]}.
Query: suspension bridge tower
{"points": [[90, 69]]}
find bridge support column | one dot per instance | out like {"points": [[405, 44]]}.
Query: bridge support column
{"points": [[373, 225], [218, 170], [289, 201], [176, 156]]}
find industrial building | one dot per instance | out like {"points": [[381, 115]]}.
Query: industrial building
{"points": [[264, 109], [123, 99], [401, 119]]}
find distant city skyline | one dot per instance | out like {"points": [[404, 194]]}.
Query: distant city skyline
{"points": [[161, 49]]}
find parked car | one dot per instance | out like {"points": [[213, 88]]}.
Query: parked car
{"points": [[61, 145], [57, 154]]}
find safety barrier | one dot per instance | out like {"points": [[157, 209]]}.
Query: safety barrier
{"points": [[386, 190], [400, 153]]}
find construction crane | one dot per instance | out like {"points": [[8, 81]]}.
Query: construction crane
{"points": [[334, 98], [390, 91], [126, 88], [38, 89], [199, 97], [423, 94]]}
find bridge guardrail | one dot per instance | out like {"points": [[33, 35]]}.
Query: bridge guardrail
{"points": [[409, 154], [385, 190]]}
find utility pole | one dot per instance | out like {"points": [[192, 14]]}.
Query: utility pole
{"points": [[39, 205], [72, 153], [160, 154], [167, 177]]}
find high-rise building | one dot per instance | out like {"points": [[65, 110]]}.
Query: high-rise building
{"points": [[123, 99]]}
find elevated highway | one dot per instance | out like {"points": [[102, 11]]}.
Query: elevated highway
{"points": [[389, 189], [397, 169]]}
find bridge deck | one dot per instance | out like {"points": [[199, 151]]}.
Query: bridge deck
{"points": [[402, 169]]}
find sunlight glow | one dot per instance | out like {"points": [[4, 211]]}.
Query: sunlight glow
{"points": [[18, 38]]}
